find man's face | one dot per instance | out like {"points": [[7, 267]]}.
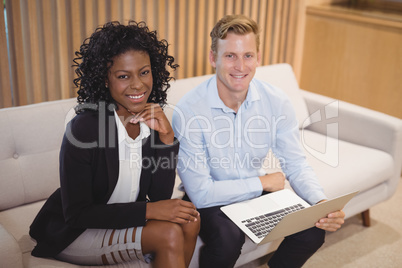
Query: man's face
{"points": [[235, 62]]}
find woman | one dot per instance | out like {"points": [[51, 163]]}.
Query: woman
{"points": [[118, 160]]}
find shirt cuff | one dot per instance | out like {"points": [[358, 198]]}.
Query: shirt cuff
{"points": [[317, 198], [255, 186]]}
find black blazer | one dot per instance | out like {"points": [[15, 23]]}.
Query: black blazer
{"points": [[89, 169]]}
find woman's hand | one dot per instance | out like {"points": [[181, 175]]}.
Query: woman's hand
{"points": [[173, 210], [155, 118]]}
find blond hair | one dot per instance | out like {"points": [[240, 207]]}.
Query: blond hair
{"points": [[238, 24]]}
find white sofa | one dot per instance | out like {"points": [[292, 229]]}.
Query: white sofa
{"points": [[349, 147]]}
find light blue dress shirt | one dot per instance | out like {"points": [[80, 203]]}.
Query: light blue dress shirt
{"points": [[222, 152]]}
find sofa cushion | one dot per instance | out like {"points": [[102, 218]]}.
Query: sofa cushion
{"points": [[344, 167], [17, 221], [30, 139], [341, 167], [10, 253], [31, 261]]}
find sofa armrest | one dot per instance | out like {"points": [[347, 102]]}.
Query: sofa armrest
{"points": [[10, 252], [360, 126]]}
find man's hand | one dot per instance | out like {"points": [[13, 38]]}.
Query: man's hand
{"points": [[332, 222], [273, 182]]}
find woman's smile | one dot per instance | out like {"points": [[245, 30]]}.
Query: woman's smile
{"points": [[130, 81]]}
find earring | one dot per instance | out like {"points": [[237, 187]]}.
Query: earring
{"points": [[106, 85]]}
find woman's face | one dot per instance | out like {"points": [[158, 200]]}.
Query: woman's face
{"points": [[130, 81]]}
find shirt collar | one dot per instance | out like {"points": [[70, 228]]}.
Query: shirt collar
{"points": [[213, 96], [122, 132], [252, 94], [216, 102]]}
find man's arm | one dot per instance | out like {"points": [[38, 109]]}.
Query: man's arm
{"points": [[288, 149], [201, 186]]}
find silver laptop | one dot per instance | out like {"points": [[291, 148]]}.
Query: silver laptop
{"points": [[280, 214]]}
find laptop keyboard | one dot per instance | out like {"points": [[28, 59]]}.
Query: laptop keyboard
{"points": [[262, 225]]}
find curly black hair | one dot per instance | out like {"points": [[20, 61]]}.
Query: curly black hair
{"points": [[95, 58]]}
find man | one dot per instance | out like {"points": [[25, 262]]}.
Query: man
{"points": [[226, 126]]}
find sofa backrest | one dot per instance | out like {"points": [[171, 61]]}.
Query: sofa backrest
{"points": [[178, 89], [30, 138], [280, 75]]}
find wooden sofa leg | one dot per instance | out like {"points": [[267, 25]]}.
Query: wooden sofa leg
{"points": [[366, 218]]}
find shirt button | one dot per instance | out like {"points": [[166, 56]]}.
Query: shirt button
{"points": [[15, 156]]}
